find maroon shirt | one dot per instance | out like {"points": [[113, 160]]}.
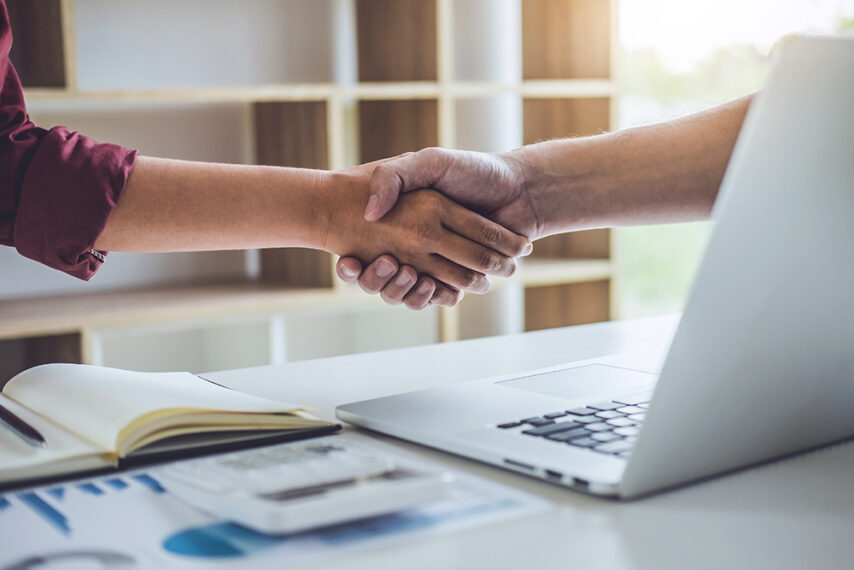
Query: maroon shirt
{"points": [[57, 187]]}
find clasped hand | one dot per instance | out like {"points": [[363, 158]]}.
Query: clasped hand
{"points": [[426, 247], [445, 249]]}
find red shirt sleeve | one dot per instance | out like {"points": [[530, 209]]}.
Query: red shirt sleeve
{"points": [[57, 187]]}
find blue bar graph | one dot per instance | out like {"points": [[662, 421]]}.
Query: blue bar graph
{"points": [[46, 511], [149, 482], [90, 488], [116, 483], [100, 488]]}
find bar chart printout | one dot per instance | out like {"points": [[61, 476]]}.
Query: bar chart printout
{"points": [[130, 521]]}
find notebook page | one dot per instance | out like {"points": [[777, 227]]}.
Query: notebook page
{"points": [[20, 460], [97, 402]]}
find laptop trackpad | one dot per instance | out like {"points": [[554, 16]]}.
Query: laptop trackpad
{"points": [[583, 380]]}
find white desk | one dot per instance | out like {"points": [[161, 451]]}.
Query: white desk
{"points": [[798, 513]]}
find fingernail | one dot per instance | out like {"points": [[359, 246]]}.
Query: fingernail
{"points": [[347, 272], [403, 279], [384, 268], [372, 206], [423, 288], [528, 249]]}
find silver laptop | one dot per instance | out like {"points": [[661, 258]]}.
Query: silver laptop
{"points": [[762, 363]]}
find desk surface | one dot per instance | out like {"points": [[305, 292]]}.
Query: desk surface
{"points": [[796, 513]]}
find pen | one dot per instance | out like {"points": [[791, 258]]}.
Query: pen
{"points": [[21, 428]]}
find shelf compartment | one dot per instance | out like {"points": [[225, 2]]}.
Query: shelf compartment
{"points": [[545, 119], [293, 134], [566, 39], [38, 48], [567, 304], [396, 40], [389, 128], [18, 354], [477, 129], [588, 244], [487, 41], [203, 43]]}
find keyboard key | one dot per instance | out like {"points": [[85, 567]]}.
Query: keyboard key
{"points": [[609, 414], [621, 422], [551, 428], [583, 442], [582, 412], [627, 431], [537, 421], [509, 425], [614, 447], [568, 435], [634, 399], [554, 415], [586, 419], [630, 410], [601, 426], [602, 406], [637, 417], [605, 436]]}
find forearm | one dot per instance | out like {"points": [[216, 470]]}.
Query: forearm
{"points": [[655, 174], [171, 205]]}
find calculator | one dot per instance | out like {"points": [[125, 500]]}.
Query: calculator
{"points": [[299, 486]]}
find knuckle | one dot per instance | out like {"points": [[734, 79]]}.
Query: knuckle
{"points": [[488, 261], [469, 279], [432, 155], [427, 231], [390, 299], [490, 236], [447, 297], [511, 270]]}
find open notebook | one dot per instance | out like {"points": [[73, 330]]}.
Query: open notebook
{"points": [[94, 417]]}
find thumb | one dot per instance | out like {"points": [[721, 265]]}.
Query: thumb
{"points": [[423, 169]]}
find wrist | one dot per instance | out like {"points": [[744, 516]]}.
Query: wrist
{"points": [[566, 184], [544, 186], [342, 197]]}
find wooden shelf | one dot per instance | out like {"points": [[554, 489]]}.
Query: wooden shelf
{"points": [[404, 96], [541, 272], [534, 89], [67, 314]]}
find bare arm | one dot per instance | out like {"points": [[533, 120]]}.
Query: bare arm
{"points": [[171, 205], [669, 172], [660, 173], [174, 205]]}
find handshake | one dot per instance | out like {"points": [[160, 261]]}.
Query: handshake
{"points": [[420, 228], [451, 218], [454, 217]]}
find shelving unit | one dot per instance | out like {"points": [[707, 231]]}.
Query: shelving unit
{"points": [[339, 82]]}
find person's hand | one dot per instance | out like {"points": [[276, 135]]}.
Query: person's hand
{"points": [[491, 184], [426, 231]]}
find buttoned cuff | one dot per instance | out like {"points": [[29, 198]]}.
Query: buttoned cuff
{"points": [[70, 188]]}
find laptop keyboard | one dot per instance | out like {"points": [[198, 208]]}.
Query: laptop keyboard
{"points": [[609, 427]]}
